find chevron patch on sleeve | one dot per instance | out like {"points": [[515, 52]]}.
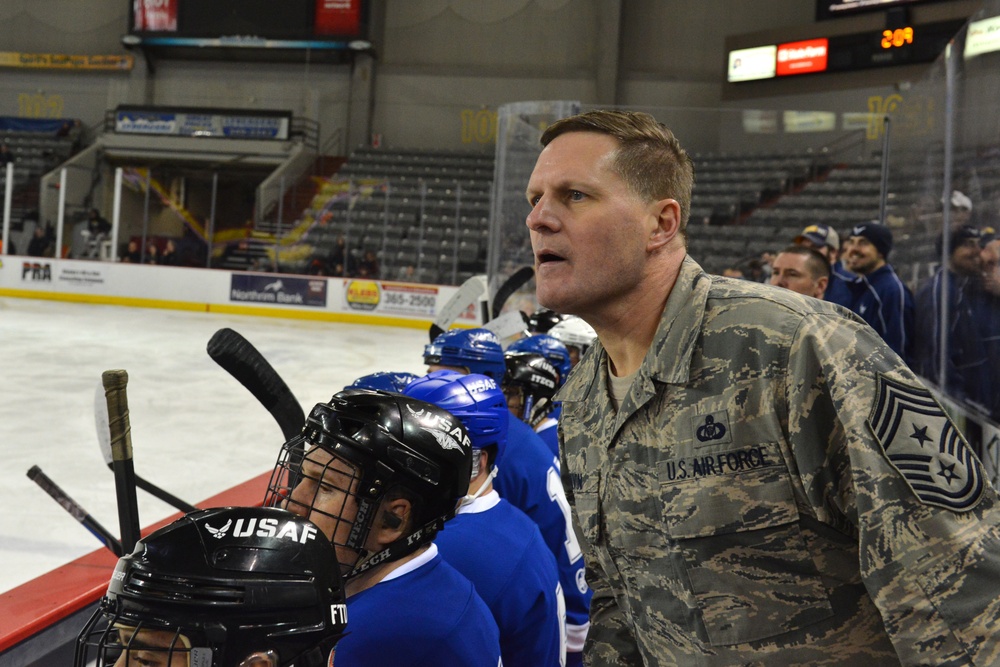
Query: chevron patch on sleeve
{"points": [[925, 447]]}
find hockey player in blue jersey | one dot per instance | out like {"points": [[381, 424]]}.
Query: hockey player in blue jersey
{"points": [[379, 474], [492, 542], [557, 354], [529, 385], [527, 476]]}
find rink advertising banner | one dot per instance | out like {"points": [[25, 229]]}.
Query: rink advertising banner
{"points": [[35, 271], [154, 15], [409, 299], [278, 289], [88, 275], [362, 294], [191, 123], [66, 61], [389, 298]]}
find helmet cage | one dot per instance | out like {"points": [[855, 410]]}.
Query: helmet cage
{"points": [[261, 579], [536, 379], [393, 445]]}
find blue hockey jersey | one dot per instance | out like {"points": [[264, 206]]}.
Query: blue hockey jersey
{"points": [[528, 477], [503, 554], [423, 614]]}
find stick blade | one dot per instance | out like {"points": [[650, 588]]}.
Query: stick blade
{"points": [[469, 293], [516, 281], [101, 423], [244, 362]]}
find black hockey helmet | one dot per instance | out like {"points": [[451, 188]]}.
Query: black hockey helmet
{"points": [[216, 586], [392, 381], [534, 379], [542, 320], [368, 446]]}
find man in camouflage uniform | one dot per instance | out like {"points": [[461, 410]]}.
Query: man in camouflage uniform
{"points": [[759, 479]]}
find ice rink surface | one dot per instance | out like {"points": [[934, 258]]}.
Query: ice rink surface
{"points": [[196, 431]]}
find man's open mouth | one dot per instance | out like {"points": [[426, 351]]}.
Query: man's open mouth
{"points": [[547, 257]]}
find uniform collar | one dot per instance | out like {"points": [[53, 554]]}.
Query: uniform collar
{"points": [[677, 333], [485, 502]]}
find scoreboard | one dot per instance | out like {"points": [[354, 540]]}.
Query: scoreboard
{"points": [[902, 45]]}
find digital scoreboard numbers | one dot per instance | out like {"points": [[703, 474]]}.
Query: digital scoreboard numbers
{"points": [[897, 37]]}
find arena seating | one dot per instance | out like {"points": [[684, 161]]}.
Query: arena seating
{"points": [[421, 208], [35, 151]]}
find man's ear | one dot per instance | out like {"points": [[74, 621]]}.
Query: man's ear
{"points": [[394, 520], [668, 223], [822, 284]]}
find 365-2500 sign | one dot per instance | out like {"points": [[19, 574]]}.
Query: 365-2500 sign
{"points": [[409, 302]]}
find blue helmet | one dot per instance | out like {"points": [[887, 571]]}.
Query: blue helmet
{"points": [[548, 347], [384, 381], [475, 400], [476, 349]]}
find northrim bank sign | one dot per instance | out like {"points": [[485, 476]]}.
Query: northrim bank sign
{"points": [[280, 290]]}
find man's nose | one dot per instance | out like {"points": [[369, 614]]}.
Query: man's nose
{"points": [[541, 216]]}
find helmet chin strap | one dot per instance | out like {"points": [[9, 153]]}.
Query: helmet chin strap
{"points": [[404, 546], [470, 498]]}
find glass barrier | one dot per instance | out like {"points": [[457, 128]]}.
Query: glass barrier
{"points": [[762, 176], [943, 197]]}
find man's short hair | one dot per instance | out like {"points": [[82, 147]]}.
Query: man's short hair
{"points": [[816, 263], [650, 159]]}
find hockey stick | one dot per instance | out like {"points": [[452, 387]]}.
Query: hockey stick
{"points": [[104, 440], [473, 290], [510, 325], [515, 282], [115, 382], [36, 475], [245, 363]]}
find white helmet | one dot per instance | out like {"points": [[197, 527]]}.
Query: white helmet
{"points": [[573, 332]]}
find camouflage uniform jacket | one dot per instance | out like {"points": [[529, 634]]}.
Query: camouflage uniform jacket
{"points": [[777, 489]]}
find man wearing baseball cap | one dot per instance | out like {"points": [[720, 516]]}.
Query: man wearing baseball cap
{"points": [[876, 293], [825, 240]]}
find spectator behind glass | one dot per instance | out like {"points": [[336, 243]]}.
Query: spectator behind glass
{"points": [[801, 269], [97, 224], [989, 299], [132, 255], [966, 371], [825, 240], [42, 243], [169, 255], [368, 266], [876, 293]]}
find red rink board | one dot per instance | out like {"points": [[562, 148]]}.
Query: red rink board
{"points": [[37, 604]]}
